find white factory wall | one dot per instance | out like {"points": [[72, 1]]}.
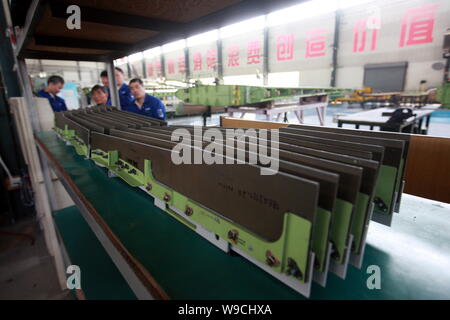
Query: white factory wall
{"points": [[370, 33], [174, 64], [384, 42], [304, 46], [203, 60], [376, 32], [136, 66], [243, 54], [85, 73], [154, 67]]}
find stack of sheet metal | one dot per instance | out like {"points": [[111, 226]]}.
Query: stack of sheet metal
{"points": [[306, 220]]}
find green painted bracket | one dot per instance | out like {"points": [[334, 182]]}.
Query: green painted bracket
{"points": [[70, 136], [290, 251], [65, 133], [80, 148], [289, 254], [340, 227], [320, 238], [58, 131], [101, 158], [399, 178], [384, 189], [362, 208]]}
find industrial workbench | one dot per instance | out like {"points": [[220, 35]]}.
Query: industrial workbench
{"points": [[158, 257], [374, 118]]}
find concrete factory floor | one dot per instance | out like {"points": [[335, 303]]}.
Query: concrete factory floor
{"points": [[27, 271]]}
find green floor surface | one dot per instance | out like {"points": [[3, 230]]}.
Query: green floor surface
{"points": [[100, 279]]}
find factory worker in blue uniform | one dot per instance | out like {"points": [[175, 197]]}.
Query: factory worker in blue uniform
{"points": [[125, 97], [54, 86], [144, 103]]}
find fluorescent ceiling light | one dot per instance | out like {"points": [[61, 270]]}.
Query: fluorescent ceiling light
{"points": [[310, 9], [135, 57], [153, 52], [301, 11], [172, 46], [209, 36], [298, 12], [342, 4], [243, 27]]}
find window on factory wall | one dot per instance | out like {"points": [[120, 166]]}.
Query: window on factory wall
{"points": [[284, 79]]}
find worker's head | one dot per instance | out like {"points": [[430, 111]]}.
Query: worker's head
{"points": [[137, 88], [120, 76], [99, 94], [104, 78], [55, 84]]}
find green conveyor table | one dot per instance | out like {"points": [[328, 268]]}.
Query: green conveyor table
{"points": [[413, 255]]}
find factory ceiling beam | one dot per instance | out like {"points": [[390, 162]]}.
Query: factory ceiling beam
{"points": [[34, 54], [245, 9], [94, 15], [78, 43], [168, 30], [34, 15]]}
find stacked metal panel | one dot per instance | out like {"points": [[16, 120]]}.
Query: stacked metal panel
{"points": [[307, 219]]}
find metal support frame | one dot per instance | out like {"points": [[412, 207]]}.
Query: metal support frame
{"points": [[129, 71], [321, 277], [266, 54], [340, 269], [10, 80], [48, 191], [35, 12], [113, 91], [144, 67], [220, 243], [277, 111], [356, 260], [187, 74], [78, 70], [163, 65], [48, 183], [335, 48], [27, 93], [399, 198], [303, 288], [383, 218], [219, 58]]}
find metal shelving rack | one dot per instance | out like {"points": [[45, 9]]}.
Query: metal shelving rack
{"points": [[43, 37]]}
